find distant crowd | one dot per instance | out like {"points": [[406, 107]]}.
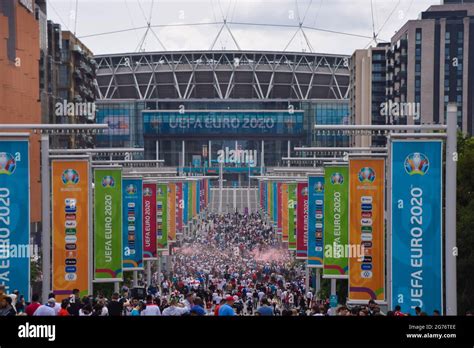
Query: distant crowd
{"points": [[234, 265]]}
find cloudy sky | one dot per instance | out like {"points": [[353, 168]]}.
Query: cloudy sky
{"points": [[105, 25]]}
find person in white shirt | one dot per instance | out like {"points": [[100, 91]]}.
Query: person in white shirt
{"points": [[260, 295], [174, 309], [309, 298], [46, 309], [189, 302], [151, 308], [57, 305]]}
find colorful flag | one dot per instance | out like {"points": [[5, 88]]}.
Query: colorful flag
{"points": [[336, 222], [416, 225], [107, 224]]}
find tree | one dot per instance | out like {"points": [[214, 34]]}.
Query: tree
{"points": [[465, 224]]}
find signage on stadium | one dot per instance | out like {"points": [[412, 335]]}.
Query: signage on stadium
{"points": [[222, 123]]}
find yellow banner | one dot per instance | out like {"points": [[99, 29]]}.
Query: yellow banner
{"points": [[172, 212], [284, 212], [366, 231], [70, 229]]}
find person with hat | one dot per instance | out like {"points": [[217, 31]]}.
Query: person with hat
{"points": [[47, 309], [226, 309], [57, 305]]}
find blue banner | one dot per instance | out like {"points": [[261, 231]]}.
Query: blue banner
{"points": [[275, 204], [132, 224], [416, 225], [15, 216], [315, 221], [186, 203]]}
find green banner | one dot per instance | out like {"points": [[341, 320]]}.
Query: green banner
{"points": [[162, 217], [292, 216], [107, 224], [336, 222]]}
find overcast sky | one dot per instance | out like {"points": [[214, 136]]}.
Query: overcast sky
{"points": [[173, 19]]}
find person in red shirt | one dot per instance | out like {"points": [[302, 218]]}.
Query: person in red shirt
{"points": [[398, 312], [216, 310], [33, 306], [63, 311]]}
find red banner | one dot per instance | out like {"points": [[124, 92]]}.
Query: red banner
{"points": [[179, 207], [302, 221], [279, 222], [149, 221]]}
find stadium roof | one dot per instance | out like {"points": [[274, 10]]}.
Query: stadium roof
{"points": [[223, 75]]}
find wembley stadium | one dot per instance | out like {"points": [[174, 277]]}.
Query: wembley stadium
{"points": [[187, 107]]}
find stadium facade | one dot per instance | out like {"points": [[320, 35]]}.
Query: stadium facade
{"points": [[196, 108]]}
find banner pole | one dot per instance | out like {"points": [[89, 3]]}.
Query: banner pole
{"points": [[158, 267], [46, 209], [148, 273], [117, 287], [90, 231], [307, 278], [450, 230], [135, 279], [333, 286], [318, 281]]}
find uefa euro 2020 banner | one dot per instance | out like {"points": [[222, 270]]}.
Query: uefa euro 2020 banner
{"points": [[149, 221], [179, 208], [302, 221], [416, 225], [172, 212], [315, 221], [336, 221], [292, 216], [198, 197], [270, 200], [132, 245], [275, 205], [284, 212], [108, 224], [162, 217], [191, 206], [193, 199], [367, 230], [70, 227], [185, 202], [279, 201], [15, 216], [265, 197]]}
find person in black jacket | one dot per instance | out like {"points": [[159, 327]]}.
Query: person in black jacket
{"points": [[75, 303], [114, 306]]}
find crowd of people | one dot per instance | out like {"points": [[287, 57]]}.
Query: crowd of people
{"points": [[233, 265]]}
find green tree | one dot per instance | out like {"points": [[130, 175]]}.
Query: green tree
{"points": [[465, 224]]}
